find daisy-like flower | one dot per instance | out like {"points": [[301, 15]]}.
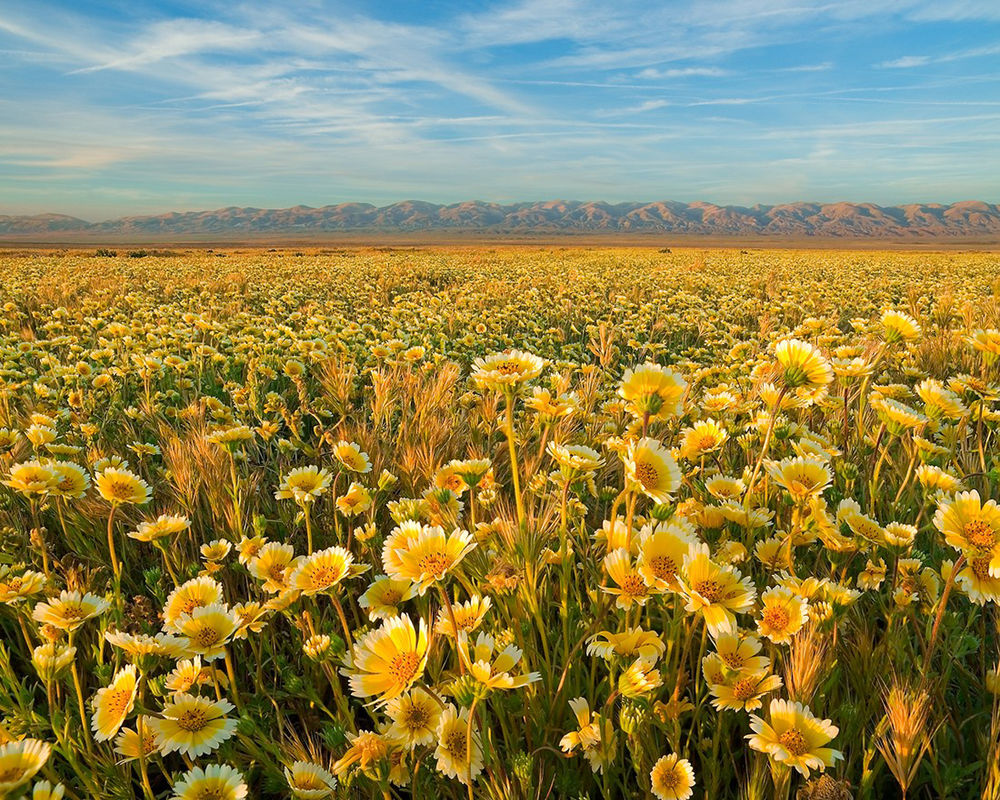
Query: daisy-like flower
{"points": [[367, 748], [899, 534], [453, 755], [672, 778], [801, 365], [719, 592], [794, 737], [272, 565], [70, 610], [736, 653], [651, 469], [195, 593], [31, 478], [120, 486], [386, 661], [630, 586], [595, 735], [352, 457], [933, 478], [424, 554], [308, 781], [630, 643], [323, 570], [468, 616], [506, 370], [803, 477], [493, 671], [661, 553], [214, 782], [986, 342], [641, 678], [971, 526], [383, 596], [979, 581], [20, 762], [188, 674], [163, 525], [52, 659], [356, 500], [208, 629], [783, 614], [740, 689], [71, 480], [114, 703], [194, 726], [415, 717], [940, 402], [897, 416], [723, 487], [16, 587], [575, 460], [654, 390], [705, 436], [304, 485], [898, 326]]}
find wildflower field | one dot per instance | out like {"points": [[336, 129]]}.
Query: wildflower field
{"points": [[499, 523]]}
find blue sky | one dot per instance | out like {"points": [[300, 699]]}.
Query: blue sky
{"points": [[110, 108]]}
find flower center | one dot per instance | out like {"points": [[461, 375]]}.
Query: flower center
{"points": [[705, 442], [732, 660], [403, 667], [776, 617], [709, 589], [647, 474], [794, 742], [194, 719], [980, 534], [455, 743], [436, 563], [633, 585], [325, 576], [663, 567], [416, 717], [981, 567], [745, 688], [508, 367], [206, 637]]}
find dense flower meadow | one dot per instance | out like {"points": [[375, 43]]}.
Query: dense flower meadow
{"points": [[499, 523]]}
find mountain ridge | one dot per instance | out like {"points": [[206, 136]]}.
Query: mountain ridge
{"points": [[801, 219]]}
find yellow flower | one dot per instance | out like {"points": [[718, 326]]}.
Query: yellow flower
{"points": [[672, 778], [187, 674], [794, 737], [303, 485], [386, 661], [15, 588], [195, 593], [193, 726], [70, 610], [114, 703], [367, 748], [630, 643], [52, 659], [640, 678], [803, 477], [972, 527], [271, 565], [654, 390], [705, 436], [71, 480], [453, 753], [383, 596], [214, 782], [503, 371], [32, 477], [495, 673], [468, 616], [783, 615], [661, 553], [595, 736], [323, 570], [802, 366], [575, 460], [356, 500], [899, 326], [119, 486], [20, 761], [719, 592], [43, 790], [350, 455], [897, 416], [631, 587], [940, 402], [652, 470], [163, 525], [415, 717], [737, 690], [308, 781], [986, 342], [207, 629], [424, 554]]}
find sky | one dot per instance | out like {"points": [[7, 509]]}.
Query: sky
{"points": [[132, 107]]}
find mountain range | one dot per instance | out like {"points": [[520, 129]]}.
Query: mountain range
{"points": [[917, 221]]}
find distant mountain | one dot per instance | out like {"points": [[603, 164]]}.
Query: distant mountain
{"points": [[793, 220]]}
